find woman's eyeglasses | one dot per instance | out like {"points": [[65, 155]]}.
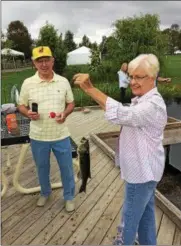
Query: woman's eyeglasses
{"points": [[137, 78]]}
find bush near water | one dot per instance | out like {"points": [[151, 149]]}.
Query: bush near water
{"points": [[106, 80]]}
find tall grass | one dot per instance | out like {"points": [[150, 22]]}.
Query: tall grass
{"points": [[169, 93], [82, 99]]}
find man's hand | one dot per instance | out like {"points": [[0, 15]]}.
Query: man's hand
{"points": [[60, 118], [168, 80], [83, 80], [164, 80], [33, 115]]}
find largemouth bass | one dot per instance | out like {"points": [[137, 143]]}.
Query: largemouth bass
{"points": [[84, 162]]}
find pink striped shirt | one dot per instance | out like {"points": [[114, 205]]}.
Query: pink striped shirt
{"points": [[141, 154]]}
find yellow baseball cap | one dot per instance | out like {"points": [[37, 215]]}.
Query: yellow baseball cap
{"points": [[41, 51]]}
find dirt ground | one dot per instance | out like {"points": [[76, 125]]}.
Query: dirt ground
{"points": [[170, 185]]}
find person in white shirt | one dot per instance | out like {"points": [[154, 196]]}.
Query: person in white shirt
{"points": [[141, 153], [123, 81]]}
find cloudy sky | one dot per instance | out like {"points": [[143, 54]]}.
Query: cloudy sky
{"points": [[93, 18]]}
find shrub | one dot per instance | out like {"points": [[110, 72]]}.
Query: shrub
{"points": [[169, 93]]}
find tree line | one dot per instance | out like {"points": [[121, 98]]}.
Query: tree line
{"points": [[131, 36], [18, 37]]}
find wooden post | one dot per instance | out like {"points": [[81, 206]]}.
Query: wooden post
{"points": [[14, 62]]}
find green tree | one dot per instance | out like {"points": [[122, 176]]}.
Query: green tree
{"points": [[109, 48], [175, 31], [69, 43], [175, 27], [49, 36], [85, 42], [61, 37], [2, 39], [179, 40], [18, 35], [95, 60], [60, 57], [173, 34], [103, 46], [139, 35], [94, 46], [170, 46], [5, 43]]}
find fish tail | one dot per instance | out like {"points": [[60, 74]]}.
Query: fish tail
{"points": [[82, 188]]}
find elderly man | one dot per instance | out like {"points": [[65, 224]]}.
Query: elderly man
{"points": [[53, 95], [141, 153]]}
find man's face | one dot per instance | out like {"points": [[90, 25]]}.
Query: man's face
{"points": [[44, 65], [140, 82]]}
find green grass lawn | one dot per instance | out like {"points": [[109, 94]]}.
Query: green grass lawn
{"points": [[10, 79], [172, 69]]}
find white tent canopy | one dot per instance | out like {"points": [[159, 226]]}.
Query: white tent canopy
{"points": [[7, 52], [79, 56], [12, 53], [177, 52]]}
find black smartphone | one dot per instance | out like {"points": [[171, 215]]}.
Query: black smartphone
{"points": [[35, 107]]}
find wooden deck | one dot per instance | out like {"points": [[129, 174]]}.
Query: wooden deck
{"points": [[97, 212]]}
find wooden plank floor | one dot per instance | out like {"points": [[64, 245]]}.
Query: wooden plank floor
{"points": [[97, 212]]}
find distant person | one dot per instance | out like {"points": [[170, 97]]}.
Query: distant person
{"points": [[48, 131], [123, 81]]}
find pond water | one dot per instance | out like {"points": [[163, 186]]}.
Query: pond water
{"points": [[174, 110]]}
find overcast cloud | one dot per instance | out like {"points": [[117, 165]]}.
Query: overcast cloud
{"points": [[93, 18]]}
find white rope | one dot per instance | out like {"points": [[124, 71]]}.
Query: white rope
{"points": [[17, 173], [4, 183]]}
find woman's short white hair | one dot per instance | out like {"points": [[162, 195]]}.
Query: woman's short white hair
{"points": [[149, 62]]}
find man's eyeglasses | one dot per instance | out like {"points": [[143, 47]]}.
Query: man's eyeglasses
{"points": [[137, 78], [41, 61]]}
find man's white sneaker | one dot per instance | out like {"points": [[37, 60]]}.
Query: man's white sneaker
{"points": [[42, 200], [69, 206]]}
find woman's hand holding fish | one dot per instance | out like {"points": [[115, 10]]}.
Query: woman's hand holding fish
{"points": [[83, 80]]}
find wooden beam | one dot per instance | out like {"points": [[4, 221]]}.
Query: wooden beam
{"points": [[102, 145], [168, 208]]}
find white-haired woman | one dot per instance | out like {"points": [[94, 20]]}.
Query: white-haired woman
{"points": [[123, 81], [141, 153]]}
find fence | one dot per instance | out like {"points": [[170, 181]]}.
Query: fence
{"points": [[18, 64]]}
